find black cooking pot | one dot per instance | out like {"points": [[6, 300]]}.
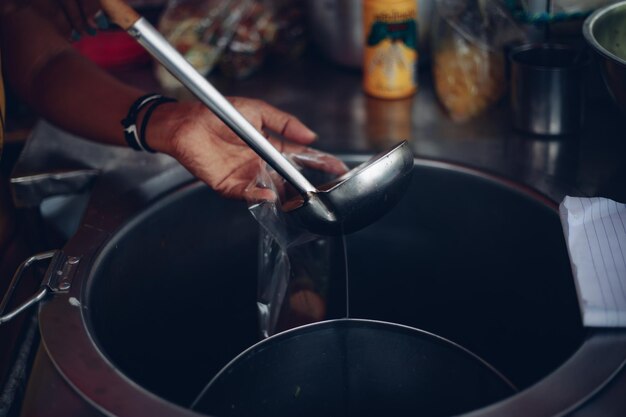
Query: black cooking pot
{"points": [[162, 294], [353, 368]]}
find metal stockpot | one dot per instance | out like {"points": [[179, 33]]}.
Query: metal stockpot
{"points": [[161, 293]]}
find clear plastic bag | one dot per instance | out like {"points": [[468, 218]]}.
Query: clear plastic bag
{"points": [[468, 54], [296, 267]]}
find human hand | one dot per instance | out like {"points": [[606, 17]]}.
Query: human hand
{"points": [[193, 135]]}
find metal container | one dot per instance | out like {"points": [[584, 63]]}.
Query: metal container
{"points": [[161, 294], [547, 94], [605, 31]]}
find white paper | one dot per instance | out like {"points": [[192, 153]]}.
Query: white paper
{"points": [[595, 232]]}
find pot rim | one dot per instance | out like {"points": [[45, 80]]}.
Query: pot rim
{"points": [[588, 32], [334, 323]]}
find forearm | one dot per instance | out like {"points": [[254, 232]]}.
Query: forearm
{"points": [[62, 86]]}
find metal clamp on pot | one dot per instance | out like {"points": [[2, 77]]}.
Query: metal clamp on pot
{"points": [[57, 279]]}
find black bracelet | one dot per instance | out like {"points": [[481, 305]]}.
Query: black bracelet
{"points": [[146, 118], [130, 121]]}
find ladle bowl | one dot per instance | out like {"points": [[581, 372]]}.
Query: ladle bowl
{"points": [[357, 198]]}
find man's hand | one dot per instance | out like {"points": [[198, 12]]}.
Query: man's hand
{"points": [[211, 151]]}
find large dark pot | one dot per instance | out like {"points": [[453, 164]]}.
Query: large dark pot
{"points": [[164, 296]]}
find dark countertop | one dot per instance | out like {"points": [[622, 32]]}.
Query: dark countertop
{"points": [[329, 99]]}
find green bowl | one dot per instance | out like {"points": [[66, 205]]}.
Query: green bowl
{"points": [[605, 31]]}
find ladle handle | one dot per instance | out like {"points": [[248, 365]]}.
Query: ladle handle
{"points": [[169, 57], [120, 13]]}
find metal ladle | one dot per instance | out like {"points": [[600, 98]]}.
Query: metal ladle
{"points": [[349, 203]]}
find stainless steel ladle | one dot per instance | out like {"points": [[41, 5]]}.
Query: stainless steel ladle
{"points": [[349, 203]]}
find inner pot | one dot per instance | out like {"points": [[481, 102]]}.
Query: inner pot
{"points": [[353, 367], [171, 297]]}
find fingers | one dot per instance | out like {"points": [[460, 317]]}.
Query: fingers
{"points": [[285, 124]]}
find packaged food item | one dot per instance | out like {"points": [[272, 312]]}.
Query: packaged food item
{"points": [[290, 24], [390, 54], [234, 35], [246, 51], [200, 30], [468, 78], [468, 54]]}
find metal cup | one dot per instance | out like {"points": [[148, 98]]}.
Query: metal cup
{"points": [[547, 94]]}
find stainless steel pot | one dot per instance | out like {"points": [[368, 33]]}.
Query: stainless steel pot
{"points": [[161, 287]]}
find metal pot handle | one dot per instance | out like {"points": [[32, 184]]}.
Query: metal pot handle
{"points": [[56, 279]]}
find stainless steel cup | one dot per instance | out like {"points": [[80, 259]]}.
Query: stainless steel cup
{"points": [[547, 92]]}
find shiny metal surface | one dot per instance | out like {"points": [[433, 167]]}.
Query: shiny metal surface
{"points": [[605, 31], [57, 279], [589, 363], [547, 92], [89, 372], [171, 59], [359, 197], [17, 277]]}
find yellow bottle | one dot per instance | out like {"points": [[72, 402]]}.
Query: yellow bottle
{"points": [[390, 55]]}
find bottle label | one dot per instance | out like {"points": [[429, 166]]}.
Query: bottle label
{"points": [[390, 56]]}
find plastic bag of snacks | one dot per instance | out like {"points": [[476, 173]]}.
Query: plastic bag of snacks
{"points": [[200, 30], [468, 57], [247, 50], [235, 35]]}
